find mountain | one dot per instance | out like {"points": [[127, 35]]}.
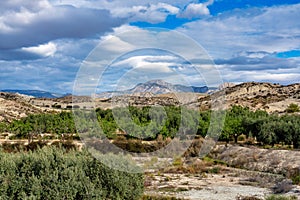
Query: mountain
{"points": [[36, 93], [155, 87], [162, 87]]}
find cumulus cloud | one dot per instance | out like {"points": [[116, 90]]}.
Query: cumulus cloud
{"points": [[17, 5], [266, 69], [272, 29], [244, 43], [28, 30], [282, 76], [39, 74], [144, 10], [158, 55], [196, 10], [150, 63], [153, 13], [25, 28], [252, 54], [45, 50], [109, 4], [244, 63]]}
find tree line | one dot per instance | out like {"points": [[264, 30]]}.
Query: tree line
{"points": [[148, 123]]}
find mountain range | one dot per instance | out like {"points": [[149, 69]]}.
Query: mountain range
{"points": [[36, 93], [155, 87]]}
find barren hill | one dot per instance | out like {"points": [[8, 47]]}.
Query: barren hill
{"points": [[266, 96], [15, 106]]}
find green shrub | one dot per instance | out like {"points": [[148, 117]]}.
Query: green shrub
{"points": [[279, 197], [242, 138], [177, 161], [293, 108], [214, 170], [54, 173], [296, 180]]}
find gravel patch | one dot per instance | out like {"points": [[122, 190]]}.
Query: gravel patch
{"points": [[225, 193]]}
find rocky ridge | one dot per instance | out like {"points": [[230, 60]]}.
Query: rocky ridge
{"points": [[266, 96]]}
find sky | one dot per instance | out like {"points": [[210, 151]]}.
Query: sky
{"points": [[50, 44]]}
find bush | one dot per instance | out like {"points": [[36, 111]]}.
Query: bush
{"points": [[296, 180], [177, 161], [276, 197], [214, 170], [52, 173], [292, 108], [242, 138]]}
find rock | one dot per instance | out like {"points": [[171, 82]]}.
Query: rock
{"points": [[283, 187]]}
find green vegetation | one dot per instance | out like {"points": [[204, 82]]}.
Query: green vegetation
{"points": [[292, 108], [277, 129], [296, 180], [267, 129], [53, 173], [64, 173], [148, 123], [61, 123], [279, 197]]}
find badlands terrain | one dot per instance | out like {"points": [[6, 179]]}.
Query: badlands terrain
{"points": [[267, 96]]}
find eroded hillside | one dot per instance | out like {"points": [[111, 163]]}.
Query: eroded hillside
{"points": [[266, 96], [15, 106]]}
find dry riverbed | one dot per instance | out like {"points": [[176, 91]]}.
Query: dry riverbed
{"points": [[197, 179]]}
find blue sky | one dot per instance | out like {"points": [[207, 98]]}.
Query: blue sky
{"points": [[45, 42]]}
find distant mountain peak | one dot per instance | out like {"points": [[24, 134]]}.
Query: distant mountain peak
{"points": [[35, 93], [156, 86], [157, 81]]}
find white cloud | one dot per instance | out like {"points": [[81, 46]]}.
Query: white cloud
{"points": [[150, 55], [10, 20], [245, 42], [109, 4], [276, 77], [45, 50], [16, 5], [24, 28], [122, 46], [136, 60], [273, 29], [153, 13], [158, 64], [196, 10], [282, 76], [258, 54]]}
